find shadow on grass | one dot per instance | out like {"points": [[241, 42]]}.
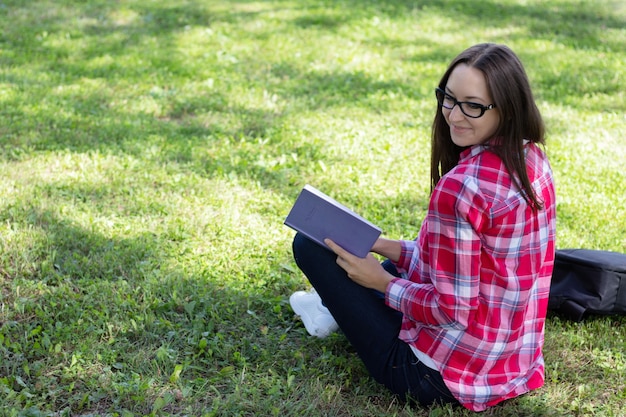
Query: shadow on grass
{"points": [[138, 42], [115, 318]]}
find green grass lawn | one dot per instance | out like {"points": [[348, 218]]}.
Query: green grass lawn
{"points": [[150, 150]]}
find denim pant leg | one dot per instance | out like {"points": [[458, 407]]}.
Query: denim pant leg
{"points": [[370, 326]]}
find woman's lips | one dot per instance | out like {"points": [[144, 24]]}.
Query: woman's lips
{"points": [[459, 129]]}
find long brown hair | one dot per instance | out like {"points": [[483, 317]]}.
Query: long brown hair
{"points": [[519, 116]]}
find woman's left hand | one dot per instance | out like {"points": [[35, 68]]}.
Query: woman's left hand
{"points": [[367, 271]]}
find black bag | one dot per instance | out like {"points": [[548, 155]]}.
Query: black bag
{"points": [[588, 281]]}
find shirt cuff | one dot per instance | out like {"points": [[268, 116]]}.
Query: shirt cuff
{"points": [[395, 292], [406, 252]]}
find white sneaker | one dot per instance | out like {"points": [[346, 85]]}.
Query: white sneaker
{"points": [[316, 318]]}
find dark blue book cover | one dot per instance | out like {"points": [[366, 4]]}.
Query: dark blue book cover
{"points": [[318, 216]]}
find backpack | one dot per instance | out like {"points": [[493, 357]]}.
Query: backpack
{"points": [[588, 281]]}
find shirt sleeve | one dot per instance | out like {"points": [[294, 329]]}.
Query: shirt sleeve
{"points": [[408, 247], [446, 293]]}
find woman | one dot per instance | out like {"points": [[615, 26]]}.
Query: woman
{"points": [[457, 316]]}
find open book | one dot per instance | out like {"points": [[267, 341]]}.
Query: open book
{"points": [[318, 216]]}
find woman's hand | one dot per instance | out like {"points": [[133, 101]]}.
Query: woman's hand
{"points": [[367, 271]]}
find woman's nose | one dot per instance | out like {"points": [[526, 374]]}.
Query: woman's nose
{"points": [[456, 113]]}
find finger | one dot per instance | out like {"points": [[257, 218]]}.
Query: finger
{"points": [[335, 247]]}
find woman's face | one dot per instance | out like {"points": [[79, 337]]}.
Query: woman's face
{"points": [[468, 84]]}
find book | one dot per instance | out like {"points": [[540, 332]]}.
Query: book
{"points": [[318, 216]]}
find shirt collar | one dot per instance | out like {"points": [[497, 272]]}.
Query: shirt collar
{"points": [[474, 150], [471, 152]]}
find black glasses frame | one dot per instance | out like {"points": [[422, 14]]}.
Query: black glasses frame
{"points": [[441, 95]]}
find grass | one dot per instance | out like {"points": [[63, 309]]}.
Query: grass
{"points": [[151, 149]]}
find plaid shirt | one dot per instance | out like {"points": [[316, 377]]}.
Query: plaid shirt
{"points": [[478, 279]]}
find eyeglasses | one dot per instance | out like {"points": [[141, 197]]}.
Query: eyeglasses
{"points": [[470, 109]]}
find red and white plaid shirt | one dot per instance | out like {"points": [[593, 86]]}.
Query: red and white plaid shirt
{"points": [[478, 279]]}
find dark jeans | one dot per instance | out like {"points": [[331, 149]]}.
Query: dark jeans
{"points": [[370, 326]]}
